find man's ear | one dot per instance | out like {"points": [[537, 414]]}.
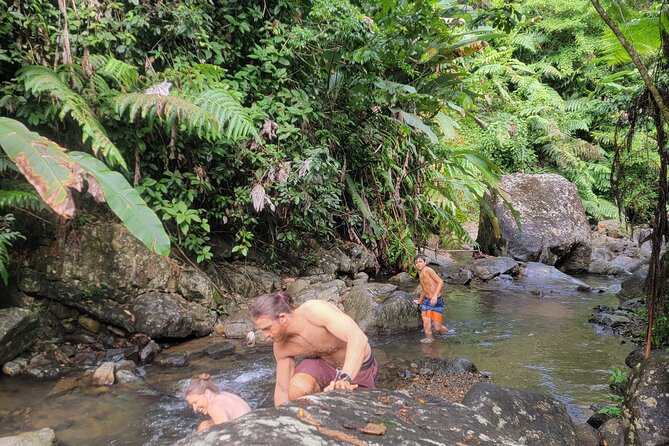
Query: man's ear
{"points": [[283, 318]]}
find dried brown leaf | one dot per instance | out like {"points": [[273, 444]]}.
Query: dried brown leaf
{"points": [[341, 436], [373, 429], [305, 416]]}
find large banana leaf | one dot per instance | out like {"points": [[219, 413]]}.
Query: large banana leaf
{"points": [[126, 204], [45, 164], [53, 172]]}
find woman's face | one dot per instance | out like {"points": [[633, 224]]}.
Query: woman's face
{"points": [[198, 402]]}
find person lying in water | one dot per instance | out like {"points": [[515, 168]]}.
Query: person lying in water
{"points": [[205, 397], [335, 350]]}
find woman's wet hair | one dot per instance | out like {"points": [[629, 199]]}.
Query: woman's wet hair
{"points": [[198, 385], [272, 305]]}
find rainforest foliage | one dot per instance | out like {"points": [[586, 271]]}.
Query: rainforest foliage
{"points": [[375, 121]]}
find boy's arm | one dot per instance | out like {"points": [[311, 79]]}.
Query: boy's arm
{"points": [[439, 284]]}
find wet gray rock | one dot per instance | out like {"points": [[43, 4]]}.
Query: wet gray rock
{"points": [[337, 418], [646, 402], [527, 416], [554, 228], [488, 268], [541, 277], [379, 308], [17, 332], [43, 437], [101, 269], [329, 291], [149, 352], [605, 268], [632, 287], [169, 315], [238, 327], [129, 380], [612, 432]]}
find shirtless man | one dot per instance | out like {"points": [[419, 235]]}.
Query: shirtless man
{"points": [[205, 397], [430, 301], [335, 351]]}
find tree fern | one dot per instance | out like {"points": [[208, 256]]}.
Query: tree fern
{"points": [[213, 114], [122, 74], [40, 80], [224, 106]]}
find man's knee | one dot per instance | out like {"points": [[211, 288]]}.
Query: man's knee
{"points": [[301, 385]]}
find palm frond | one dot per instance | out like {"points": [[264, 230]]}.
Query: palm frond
{"points": [[40, 80]]}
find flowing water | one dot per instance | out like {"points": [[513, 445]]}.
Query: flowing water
{"points": [[521, 339]]}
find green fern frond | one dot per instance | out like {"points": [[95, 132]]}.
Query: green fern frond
{"points": [[585, 150], [40, 80], [7, 237], [577, 104], [547, 70], [226, 108], [492, 69], [121, 73], [20, 199], [573, 124], [528, 40], [7, 164], [213, 112]]}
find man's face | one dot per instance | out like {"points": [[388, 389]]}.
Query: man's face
{"points": [[198, 402], [274, 329], [420, 264]]}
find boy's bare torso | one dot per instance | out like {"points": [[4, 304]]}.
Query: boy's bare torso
{"points": [[428, 282]]}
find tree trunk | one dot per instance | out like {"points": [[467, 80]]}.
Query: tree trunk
{"points": [[656, 282]]}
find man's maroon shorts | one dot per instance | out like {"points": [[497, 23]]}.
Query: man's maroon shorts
{"points": [[324, 373]]}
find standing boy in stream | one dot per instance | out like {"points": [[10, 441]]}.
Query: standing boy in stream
{"points": [[430, 301]]}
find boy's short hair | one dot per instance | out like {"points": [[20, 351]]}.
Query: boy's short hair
{"points": [[420, 256]]}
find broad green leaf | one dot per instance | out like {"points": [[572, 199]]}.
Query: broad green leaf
{"points": [[417, 123], [447, 125], [127, 204], [45, 164]]}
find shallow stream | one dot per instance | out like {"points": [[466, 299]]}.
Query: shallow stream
{"points": [[522, 339]]}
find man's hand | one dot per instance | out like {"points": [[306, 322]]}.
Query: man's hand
{"points": [[341, 384], [433, 301]]}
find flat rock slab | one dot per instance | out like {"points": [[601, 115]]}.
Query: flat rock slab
{"points": [[340, 417]]}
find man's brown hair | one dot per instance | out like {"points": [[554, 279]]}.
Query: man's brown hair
{"points": [[272, 305]]}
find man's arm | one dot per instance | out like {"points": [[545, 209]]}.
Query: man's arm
{"points": [[344, 328], [285, 368]]}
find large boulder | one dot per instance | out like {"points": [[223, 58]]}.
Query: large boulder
{"points": [[526, 415], [381, 308], [554, 229], [646, 402], [43, 437], [17, 332], [103, 270], [342, 417]]}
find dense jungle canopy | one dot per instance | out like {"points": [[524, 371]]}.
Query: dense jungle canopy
{"points": [[374, 121]]}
